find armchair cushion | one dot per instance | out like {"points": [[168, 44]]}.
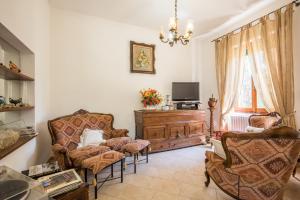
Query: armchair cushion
{"points": [[135, 146], [117, 143], [91, 137], [97, 163], [79, 155], [252, 129]]}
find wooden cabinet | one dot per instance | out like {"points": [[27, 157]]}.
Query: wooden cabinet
{"points": [[168, 130]]}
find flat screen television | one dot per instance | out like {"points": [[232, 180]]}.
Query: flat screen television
{"points": [[185, 91]]}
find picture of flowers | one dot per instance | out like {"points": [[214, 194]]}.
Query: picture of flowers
{"points": [[150, 97], [142, 58]]}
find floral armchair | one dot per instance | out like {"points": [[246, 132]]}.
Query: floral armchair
{"points": [[66, 131], [257, 165], [265, 121]]}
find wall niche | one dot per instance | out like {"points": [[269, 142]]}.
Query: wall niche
{"points": [[17, 85]]}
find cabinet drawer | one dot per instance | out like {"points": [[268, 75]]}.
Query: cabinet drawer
{"points": [[159, 146], [155, 132], [196, 129], [177, 131], [185, 142]]}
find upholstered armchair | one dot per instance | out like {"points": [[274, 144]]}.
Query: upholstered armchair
{"points": [[66, 131], [266, 121], [257, 165]]}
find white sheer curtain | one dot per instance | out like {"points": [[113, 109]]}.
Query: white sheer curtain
{"points": [[270, 47], [230, 52]]}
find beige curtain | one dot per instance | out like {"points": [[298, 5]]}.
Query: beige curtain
{"points": [[269, 44], [229, 59]]}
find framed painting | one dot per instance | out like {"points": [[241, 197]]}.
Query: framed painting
{"points": [[142, 58]]}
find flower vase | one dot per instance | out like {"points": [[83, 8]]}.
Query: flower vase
{"points": [[150, 107]]}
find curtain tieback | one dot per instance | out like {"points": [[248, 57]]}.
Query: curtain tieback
{"points": [[289, 114]]}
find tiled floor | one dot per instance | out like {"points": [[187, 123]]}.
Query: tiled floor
{"points": [[173, 175]]}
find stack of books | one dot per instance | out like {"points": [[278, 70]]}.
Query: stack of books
{"points": [[61, 182], [43, 169]]}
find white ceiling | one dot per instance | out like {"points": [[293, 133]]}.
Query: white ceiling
{"points": [[206, 14]]}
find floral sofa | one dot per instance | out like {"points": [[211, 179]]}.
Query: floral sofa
{"points": [[257, 165]]}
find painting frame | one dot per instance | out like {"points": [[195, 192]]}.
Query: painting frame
{"points": [[133, 69]]}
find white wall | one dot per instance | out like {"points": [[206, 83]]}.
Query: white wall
{"points": [[90, 66], [206, 53], [29, 21]]}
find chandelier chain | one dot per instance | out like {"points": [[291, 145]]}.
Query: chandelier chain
{"points": [[176, 10]]}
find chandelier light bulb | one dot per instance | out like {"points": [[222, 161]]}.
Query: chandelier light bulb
{"points": [[171, 36], [190, 26], [172, 23]]}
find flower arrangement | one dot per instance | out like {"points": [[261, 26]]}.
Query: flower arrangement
{"points": [[150, 97]]}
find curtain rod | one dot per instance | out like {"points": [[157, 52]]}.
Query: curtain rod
{"points": [[296, 2]]}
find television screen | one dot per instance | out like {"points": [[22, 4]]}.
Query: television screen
{"points": [[185, 91]]}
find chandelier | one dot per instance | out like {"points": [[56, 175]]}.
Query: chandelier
{"points": [[174, 36]]}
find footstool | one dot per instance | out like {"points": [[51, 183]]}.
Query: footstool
{"points": [[135, 147], [97, 163]]}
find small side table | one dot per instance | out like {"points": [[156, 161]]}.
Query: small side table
{"points": [[81, 193]]}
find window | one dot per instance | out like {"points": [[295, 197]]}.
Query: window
{"points": [[249, 100]]}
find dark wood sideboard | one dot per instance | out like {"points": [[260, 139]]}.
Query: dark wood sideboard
{"points": [[173, 129]]}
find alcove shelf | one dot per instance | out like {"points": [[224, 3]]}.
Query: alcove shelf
{"points": [[21, 141], [16, 109], [17, 85], [8, 74]]}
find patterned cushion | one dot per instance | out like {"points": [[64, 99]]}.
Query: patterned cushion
{"points": [[67, 130], [263, 161], [135, 146], [98, 163], [79, 155], [117, 143]]}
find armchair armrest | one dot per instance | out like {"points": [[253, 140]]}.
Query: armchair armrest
{"points": [[119, 133], [61, 156], [57, 148]]}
